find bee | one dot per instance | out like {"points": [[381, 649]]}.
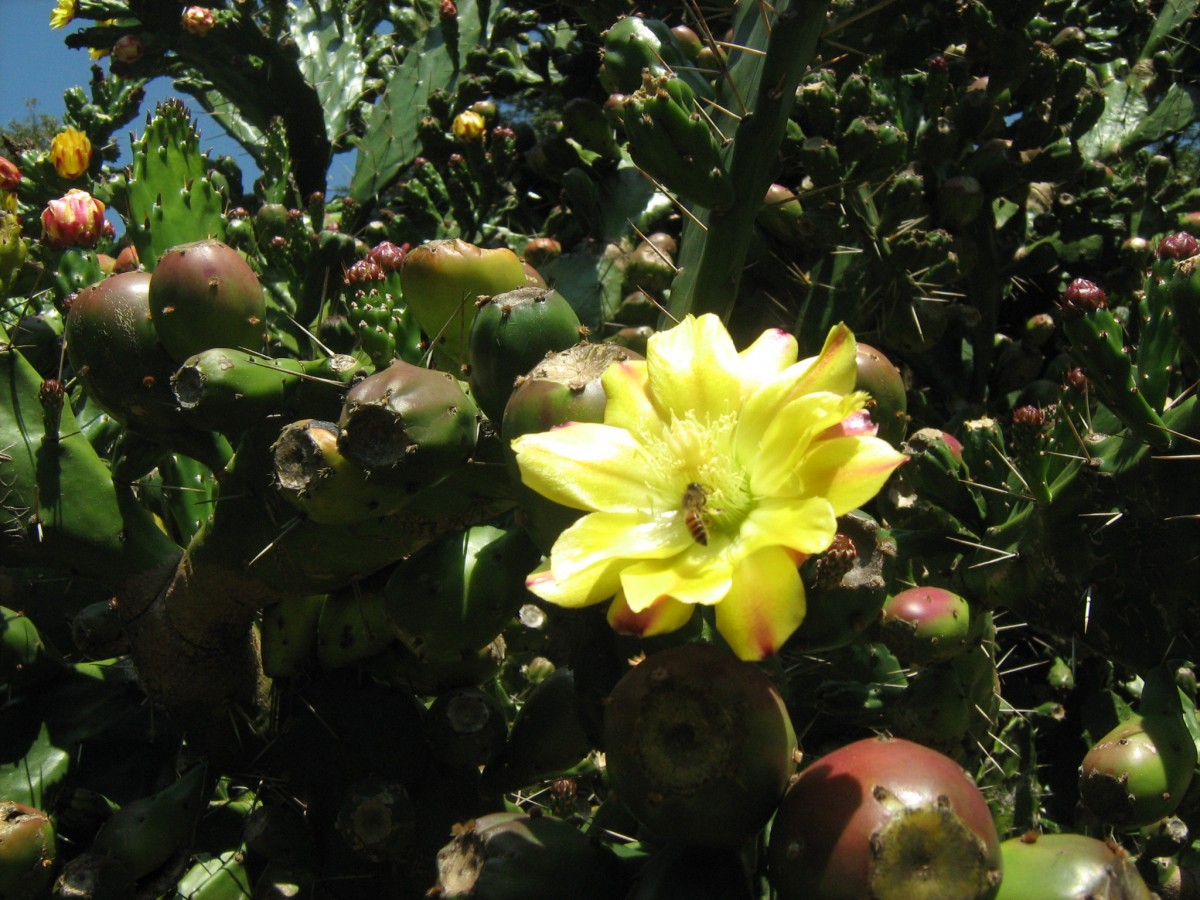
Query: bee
{"points": [[695, 498]]}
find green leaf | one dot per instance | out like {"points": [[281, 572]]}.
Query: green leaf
{"points": [[31, 777], [216, 878], [1178, 108]]}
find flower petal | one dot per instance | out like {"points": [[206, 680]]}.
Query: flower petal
{"points": [[662, 616], [694, 368], [764, 606], [699, 576], [848, 471], [835, 368], [586, 465], [804, 525], [587, 559], [770, 354], [627, 404], [782, 442]]}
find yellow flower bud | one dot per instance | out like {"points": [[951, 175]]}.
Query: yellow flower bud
{"points": [[198, 20], [71, 153], [469, 126]]}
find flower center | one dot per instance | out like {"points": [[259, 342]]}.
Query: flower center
{"points": [[694, 457]]}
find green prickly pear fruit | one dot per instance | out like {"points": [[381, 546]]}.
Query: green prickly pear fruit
{"points": [[510, 856], [408, 425], [442, 280], [204, 294], [547, 738], [650, 268], [144, 834], [28, 848], [512, 333], [563, 388], [1068, 867], [883, 381], [377, 819], [23, 655], [699, 745], [1139, 771], [782, 216], [456, 595], [465, 727], [115, 352], [312, 475], [845, 585], [227, 390], [888, 819], [289, 635], [925, 625]]}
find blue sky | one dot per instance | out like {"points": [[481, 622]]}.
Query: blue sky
{"points": [[35, 63]]}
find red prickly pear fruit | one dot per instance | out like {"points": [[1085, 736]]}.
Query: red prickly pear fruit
{"points": [[883, 381], [114, 349], [1068, 867], [27, 851], [203, 295], [377, 820], [925, 625], [884, 818], [699, 745]]}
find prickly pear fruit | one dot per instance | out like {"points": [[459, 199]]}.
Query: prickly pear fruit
{"points": [[512, 333], [377, 819], [465, 727], [408, 425], [97, 631], [699, 745], [925, 625], [1139, 771], [1068, 867], [23, 655], [312, 474], [441, 282], [354, 625], [204, 294], [884, 818], [115, 352], [565, 387], [144, 834], [883, 381], [510, 856], [28, 847]]}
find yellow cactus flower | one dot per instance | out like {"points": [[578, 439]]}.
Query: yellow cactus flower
{"points": [[469, 126], [71, 153], [714, 474], [62, 14]]}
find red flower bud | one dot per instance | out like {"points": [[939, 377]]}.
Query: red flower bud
{"points": [[128, 49], [1081, 297], [74, 220], [198, 20], [1177, 246], [10, 175]]}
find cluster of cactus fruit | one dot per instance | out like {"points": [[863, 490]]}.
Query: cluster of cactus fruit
{"points": [[264, 623]]}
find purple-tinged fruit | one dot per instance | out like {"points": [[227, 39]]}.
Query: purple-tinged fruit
{"points": [[925, 625], [699, 745], [28, 848]]}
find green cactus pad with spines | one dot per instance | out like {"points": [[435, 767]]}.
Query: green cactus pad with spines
{"points": [[511, 334], [635, 45], [230, 390], [459, 593], [408, 425], [204, 294], [170, 197]]}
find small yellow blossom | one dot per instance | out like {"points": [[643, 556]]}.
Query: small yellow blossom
{"points": [[71, 153], [469, 126], [62, 14], [714, 474]]}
